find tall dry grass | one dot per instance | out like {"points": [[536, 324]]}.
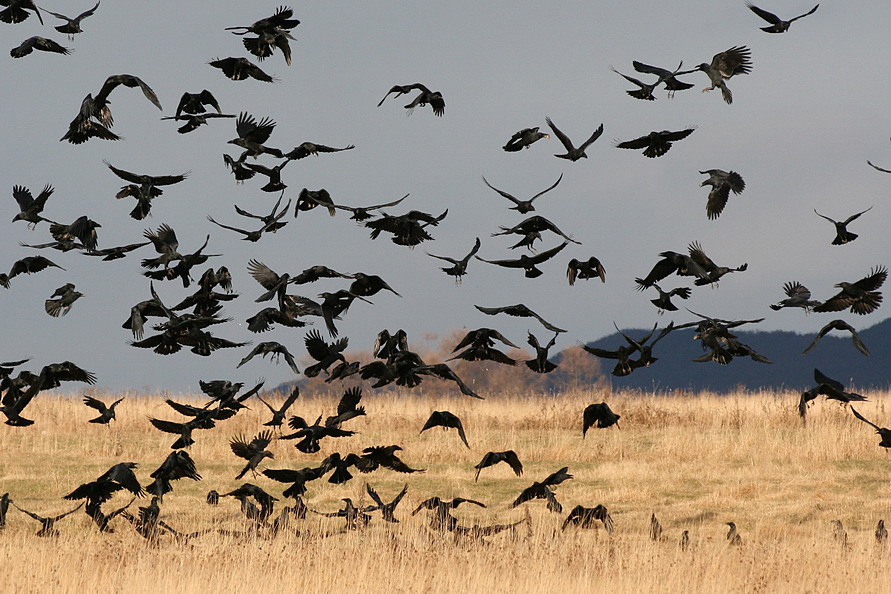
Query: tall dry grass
{"points": [[697, 461]]}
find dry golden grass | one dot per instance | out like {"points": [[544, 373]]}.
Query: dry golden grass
{"points": [[697, 461]]}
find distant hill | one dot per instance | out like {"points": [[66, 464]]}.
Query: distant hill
{"points": [[834, 355]]}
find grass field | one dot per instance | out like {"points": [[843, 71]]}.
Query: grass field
{"points": [[696, 461]]}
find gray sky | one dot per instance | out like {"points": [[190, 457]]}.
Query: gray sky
{"points": [[800, 130]]}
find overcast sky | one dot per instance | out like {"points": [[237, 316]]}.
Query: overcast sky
{"points": [[802, 125]]}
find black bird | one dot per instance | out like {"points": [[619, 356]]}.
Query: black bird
{"points": [[842, 235], [644, 90], [459, 267], [663, 302], [655, 144], [341, 467], [838, 325], [276, 350], [777, 25], [240, 69], [368, 285], [72, 25], [278, 414], [590, 268], [252, 134], [117, 252], [600, 416], [309, 148], [523, 206], [434, 98], [97, 106], [255, 235], [326, 354], [16, 11], [334, 304], [347, 408], [721, 344], [672, 84], [117, 478], [253, 451], [83, 127], [356, 517], [832, 389], [543, 490], [387, 509], [177, 465], [47, 525], [584, 517], [480, 345], [61, 300], [82, 229], [440, 518], [884, 433], [573, 153], [195, 121], [877, 168], [528, 263], [296, 478], [266, 501], [106, 413], [492, 458], [724, 65], [446, 420], [30, 207], [797, 295], [408, 229], [540, 363], [520, 311], [713, 272], [310, 435], [622, 354], [144, 188], [38, 43], [4, 508], [722, 182], [363, 213], [51, 376], [862, 296], [375, 457], [524, 139]]}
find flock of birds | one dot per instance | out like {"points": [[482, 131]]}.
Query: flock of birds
{"points": [[188, 323]]}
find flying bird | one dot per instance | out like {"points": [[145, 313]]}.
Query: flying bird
{"points": [[724, 65], [387, 509], [542, 490], [540, 363], [308, 148], [276, 350], [16, 11], [573, 153], [30, 207], [144, 188], [600, 416], [240, 69], [524, 139], [838, 325], [60, 302], [842, 235], [590, 268], [72, 25], [493, 458], [27, 265], [38, 43], [655, 144], [862, 296], [884, 433], [434, 98], [777, 25], [47, 525], [253, 451], [663, 302], [585, 517], [106, 412], [529, 264], [458, 268], [722, 183], [523, 206], [446, 420], [797, 295], [521, 311]]}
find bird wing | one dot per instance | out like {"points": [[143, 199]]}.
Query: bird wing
{"points": [[854, 216], [241, 448], [94, 403], [767, 16], [567, 144], [547, 254], [548, 189], [263, 274], [875, 279], [811, 11], [859, 416], [513, 461], [593, 137], [502, 192]]}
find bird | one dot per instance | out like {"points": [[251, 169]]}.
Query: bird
{"points": [[459, 267], [387, 509], [434, 98], [590, 268], [97, 107], [797, 295], [177, 465], [347, 408], [72, 25], [30, 207], [529, 264], [521, 311], [724, 65], [296, 478], [375, 457], [524, 139], [862, 296], [16, 11], [713, 272], [542, 490], [368, 285], [251, 511], [842, 235], [325, 354], [838, 325], [253, 451], [540, 363], [4, 508], [722, 183], [38, 43], [27, 265], [194, 121], [276, 350], [492, 458], [310, 435], [884, 433], [655, 529], [278, 414], [479, 346], [60, 302], [106, 413], [573, 153], [253, 134], [309, 148], [440, 518], [356, 517], [115, 253], [83, 229], [47, 525], [523, 206], [144, 188], [663, 302], [600, 416], [408, 229], [777, 25], [271, 32], [655, 144], [585, 517], [241, 69], [832, 389], [733, 536], [363, 213], [881, 533], [446, 420], [644, 90], [672, 84]]}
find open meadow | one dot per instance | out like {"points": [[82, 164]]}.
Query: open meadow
{"points": [[696, 461]]}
